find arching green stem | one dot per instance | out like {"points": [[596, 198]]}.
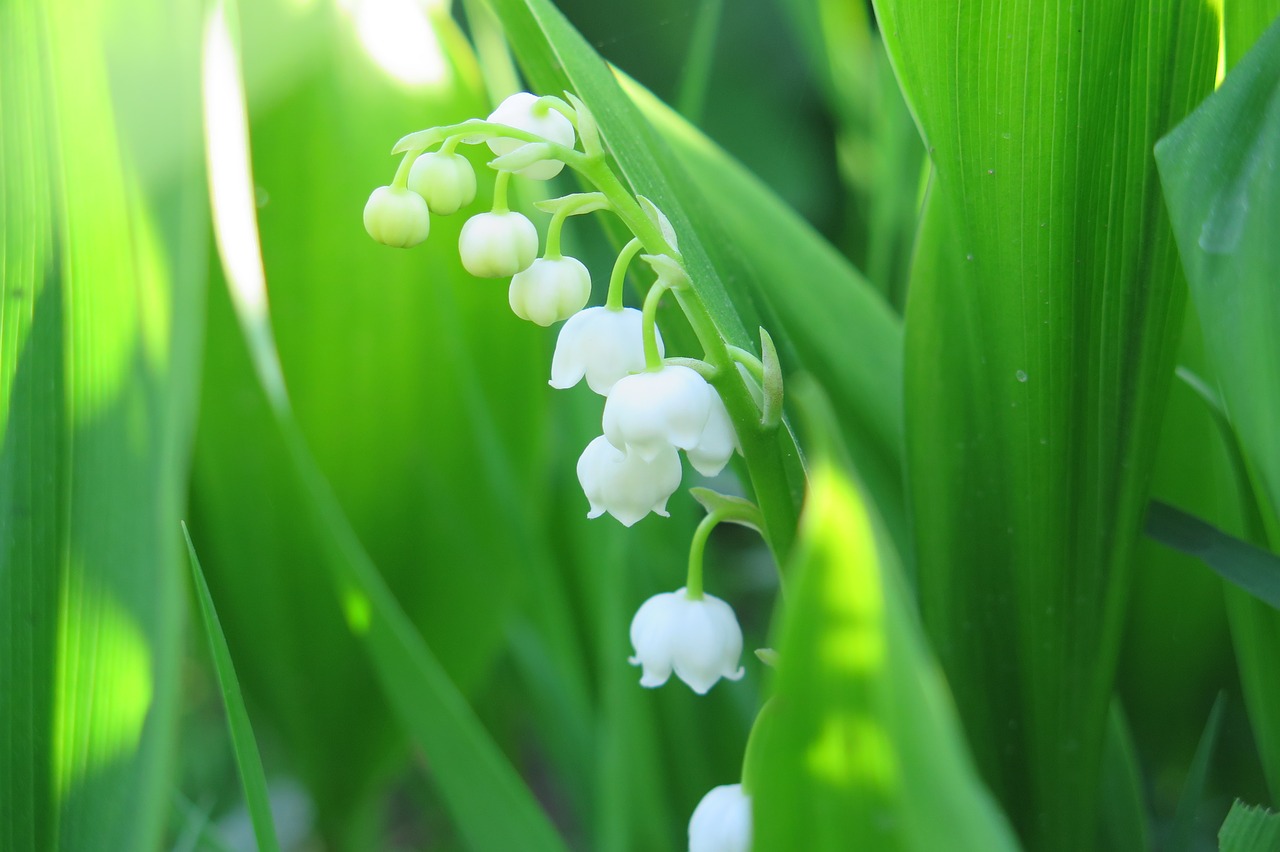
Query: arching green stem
{"points": [[450, 145], [619, 274], [401, 180], [649, 325], [500, 192], [753, 364], [553, 233]]}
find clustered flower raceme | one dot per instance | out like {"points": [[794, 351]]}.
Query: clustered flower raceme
{"points": [[654, 407]]}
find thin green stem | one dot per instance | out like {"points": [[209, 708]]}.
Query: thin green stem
{"points": [[702, 368], [693, 582], [401, 180], [500, 192], [649, 325], [553, 233], [753, 364], [482, 130], [619, 274], [450, 145]]}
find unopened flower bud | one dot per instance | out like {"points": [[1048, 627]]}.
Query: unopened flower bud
{"points": [[722, 821], [396, 217], [446, 181], [495, 245], [550, 290], [625, 485], [523, 112], [697, 638], [602, 344]]}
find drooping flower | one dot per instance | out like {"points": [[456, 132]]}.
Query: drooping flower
{"points": [[699, 639], [396, 217], [722, 821], [718, 440], [552, 289], [625, 485], [523, 112], [495, 245], [446, 181], [648, 411], [602, 344]]}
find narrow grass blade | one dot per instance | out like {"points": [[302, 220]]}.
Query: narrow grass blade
{"points": [[1250, 568], [1122, 821], [1249, 829], [860, 747], [248, 760], [1042, 320], [491, 806], [1184, 819]]}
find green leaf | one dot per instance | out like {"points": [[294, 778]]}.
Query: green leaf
{"points": [[99, 339], [248, 760], [1042, 321], [1250, 568], [1122, 821], [1224, 199], [1184, 820], [1249, 829], [474, 777], [860, 747]]}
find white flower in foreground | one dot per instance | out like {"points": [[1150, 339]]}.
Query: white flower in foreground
{"points": [[718, 440], [446, 181], [602, 344], [699, 639], [722, 821], [625, 485], [668, 407], [396, 217], [550, 290], [495, 245], [523, 112]]}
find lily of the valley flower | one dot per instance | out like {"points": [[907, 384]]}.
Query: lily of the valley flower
{"points": [[718, 440], [602, 344], [446, 181], [697, 638], [722, 821], [667, 407], [523, 112], [625, 485], [495, 245], [552, 289], [397, 217]]}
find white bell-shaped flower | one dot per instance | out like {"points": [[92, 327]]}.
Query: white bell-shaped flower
{"points": [[396, 217], [602, 344], [699, 639], [446, 181], [648, 411], [523, 112], [722, 821], [552, 289], [495, 245], [625, 485], [718, 440]]}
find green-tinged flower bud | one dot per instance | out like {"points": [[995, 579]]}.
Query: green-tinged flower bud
{"points": [[396, 217], [495, 245], [446, 181], [550, 290]]}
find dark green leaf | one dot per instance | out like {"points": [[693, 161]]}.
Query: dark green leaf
{"points": [[1240, 563]]}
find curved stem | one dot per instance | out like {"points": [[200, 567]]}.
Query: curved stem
{"points": [[649, 326], [619, 274], [450, 145], [401, 180], [500, 192], [693, 582], [753, 364], [702, 368], [553, 233]]}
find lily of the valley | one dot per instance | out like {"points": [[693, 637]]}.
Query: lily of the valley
{"points": [[718, 440], [495, 245], [395, 216], [697, 638], [602, 344], [524, 112], [446, 181], [722, 821], [552, 289], [625, 485], [667, 407]]}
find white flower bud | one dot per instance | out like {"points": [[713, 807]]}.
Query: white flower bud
{"points": [[722, 821], [601, 344], [550, 290], [446, 181], [625, 485], [699, 639], [495, 245], [718, 440], [523, 112], [396, 217], [661, 408]]}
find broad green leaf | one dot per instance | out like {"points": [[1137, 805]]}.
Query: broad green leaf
{"points": [[860, 747], [99, 335], [1042, 318], [1251, 568], [248, 760], [1249, 829], [474, 777], [1224, 200], [1243, 21]]}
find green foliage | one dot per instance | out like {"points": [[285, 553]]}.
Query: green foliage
{"points": [[1249, 829]]}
